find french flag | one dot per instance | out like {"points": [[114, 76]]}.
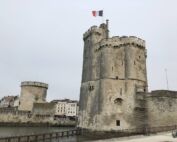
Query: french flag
{"points": [[97, 13]]}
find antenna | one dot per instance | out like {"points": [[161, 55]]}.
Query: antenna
{"points": [[166, 78]]}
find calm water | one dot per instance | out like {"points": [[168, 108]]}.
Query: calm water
{"points": [[14, 131]]}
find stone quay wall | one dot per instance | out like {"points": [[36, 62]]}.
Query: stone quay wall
{"points": [[25, 118]]}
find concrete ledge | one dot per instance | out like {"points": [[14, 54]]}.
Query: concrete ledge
{"points": [[95, 135], [163, 93]]}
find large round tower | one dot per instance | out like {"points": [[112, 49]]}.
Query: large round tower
{"points": [[114, 70], [32, 92]]}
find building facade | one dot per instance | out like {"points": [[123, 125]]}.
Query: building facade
{"points": [[9, 102], [66, 108], [114, 89]]}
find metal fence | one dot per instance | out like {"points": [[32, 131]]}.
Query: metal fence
{"points": [[86, 133], [41, 137]]}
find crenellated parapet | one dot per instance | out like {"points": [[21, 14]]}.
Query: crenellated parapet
{"points": [[94, 30], [33, 83], [117, 42]]}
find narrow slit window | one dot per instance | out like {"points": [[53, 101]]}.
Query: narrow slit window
{"points": [[117, 122]]}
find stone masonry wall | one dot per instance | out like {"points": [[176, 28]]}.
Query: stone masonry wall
{"points": [[114, 90], [162, 110], [32, 92], [23, 117], [113, 68]]}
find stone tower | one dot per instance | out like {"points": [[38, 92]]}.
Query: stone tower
{"points": [[32, 92], [114, 70]]}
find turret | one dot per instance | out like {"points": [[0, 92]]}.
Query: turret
{"points": [[31, 92], [91, 38]]}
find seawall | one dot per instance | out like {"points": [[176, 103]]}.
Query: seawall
{"points": [[26, 118]]}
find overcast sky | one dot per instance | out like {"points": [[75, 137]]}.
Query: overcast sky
{"points": [[41, 40]]}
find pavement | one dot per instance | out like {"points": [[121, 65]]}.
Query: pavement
{"points": [[160, 137]]}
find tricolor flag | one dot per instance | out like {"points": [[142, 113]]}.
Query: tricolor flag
{"points": [[97, 13]]}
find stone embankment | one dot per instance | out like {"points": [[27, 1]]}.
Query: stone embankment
{"points": [[161, 137], [26, 118]]}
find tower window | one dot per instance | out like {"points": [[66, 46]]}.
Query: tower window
{"points": [[118, 101], [134, 63], [117, 122], [117, 77], [91, 88]]}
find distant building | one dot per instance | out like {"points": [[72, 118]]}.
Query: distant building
{"points": [[16, 101], [66, 107], [9, 101]]}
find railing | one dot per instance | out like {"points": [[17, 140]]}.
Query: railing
{"points": [[85, 132], [41, 137]]}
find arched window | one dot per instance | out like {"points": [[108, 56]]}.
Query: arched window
{"points": [[118, 101]]}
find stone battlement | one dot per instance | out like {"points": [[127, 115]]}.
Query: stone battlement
{"points": [[118, 42], [94, 29], [33, 83], [163, 93]]}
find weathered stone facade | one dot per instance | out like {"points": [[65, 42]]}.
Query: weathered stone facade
{"points": [[114, 88], [42, 115], [161, 108], [44, 109], [32, 92]]}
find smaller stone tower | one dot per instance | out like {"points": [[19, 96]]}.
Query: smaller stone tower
{"points": [[32, 92]]}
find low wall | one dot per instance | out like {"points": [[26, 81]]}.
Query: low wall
{"points": [[161, 108], [24, 118], [93, 135]]}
